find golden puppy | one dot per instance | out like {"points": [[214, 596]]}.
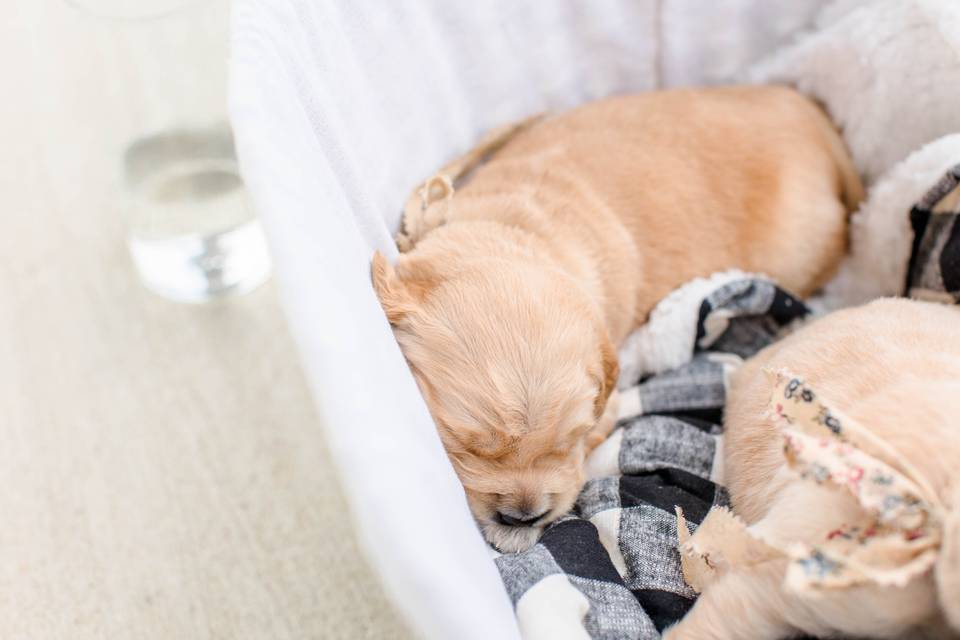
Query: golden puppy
{"points": [[516, 292], [884, 378]]}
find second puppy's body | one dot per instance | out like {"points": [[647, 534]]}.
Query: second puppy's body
{"points": [[893, 368], [509, 308]]}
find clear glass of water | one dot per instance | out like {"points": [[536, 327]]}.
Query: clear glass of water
{"points": [[192, 233]]}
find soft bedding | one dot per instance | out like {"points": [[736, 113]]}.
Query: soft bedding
{"points": [[611, 569], [340, 107]]}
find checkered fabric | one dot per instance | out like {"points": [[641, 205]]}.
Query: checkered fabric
{"points": [[934, 272], [611, 569]]}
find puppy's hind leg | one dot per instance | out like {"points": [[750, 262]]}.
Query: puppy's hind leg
{"points": [[426, 210], [743, 604], [428, 207]]}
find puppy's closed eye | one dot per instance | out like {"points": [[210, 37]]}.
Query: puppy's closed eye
{"points": [[564, 445], [484, 443]]}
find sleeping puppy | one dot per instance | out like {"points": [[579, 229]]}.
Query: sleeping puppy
{"points": [[514, 295], [879, 504]]}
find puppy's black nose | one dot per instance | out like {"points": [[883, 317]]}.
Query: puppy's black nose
{"points": [[512, 521]]}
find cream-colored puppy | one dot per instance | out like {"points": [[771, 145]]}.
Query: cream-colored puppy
{"points": [[510, 304], [892, 370]]}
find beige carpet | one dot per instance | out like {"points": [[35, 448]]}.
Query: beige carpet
{"points": [[162, 471]]}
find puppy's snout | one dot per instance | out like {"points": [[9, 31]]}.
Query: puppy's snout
{"points": [[519, 518]]}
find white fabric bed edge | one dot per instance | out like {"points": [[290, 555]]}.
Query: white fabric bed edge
{"points": [[435, 567]]}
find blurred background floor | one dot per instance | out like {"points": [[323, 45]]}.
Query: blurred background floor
{"points": [[162, 470]]}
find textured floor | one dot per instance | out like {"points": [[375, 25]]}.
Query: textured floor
{"points": [[162, 472]]}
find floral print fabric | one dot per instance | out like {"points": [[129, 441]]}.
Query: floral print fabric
{"points": [[899, 532], [895, 537]]}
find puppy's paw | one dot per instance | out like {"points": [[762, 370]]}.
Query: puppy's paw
{"points": [[511, 539], [594, 439], [404, 243]]}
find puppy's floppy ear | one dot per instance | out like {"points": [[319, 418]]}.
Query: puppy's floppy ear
{"points": [[395, 297], [611, 371]]}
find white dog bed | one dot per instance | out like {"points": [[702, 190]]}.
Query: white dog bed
{"points": [[341, 107]]}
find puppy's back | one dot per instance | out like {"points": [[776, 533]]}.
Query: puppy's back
{"points": [[699, 179]]}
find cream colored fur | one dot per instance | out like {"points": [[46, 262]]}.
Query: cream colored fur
{"points": [[893, 366], [514, 294]]}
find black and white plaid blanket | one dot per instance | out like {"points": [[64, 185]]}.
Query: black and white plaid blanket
{"points": [[934, 272], [611, 570], [616, 560]]}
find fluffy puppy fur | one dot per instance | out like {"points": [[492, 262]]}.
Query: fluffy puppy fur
{"points": [[893, 366], [510, 304]]}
